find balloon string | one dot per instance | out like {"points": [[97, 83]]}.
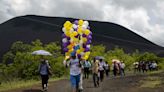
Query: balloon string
{"points": [[109, 37]]}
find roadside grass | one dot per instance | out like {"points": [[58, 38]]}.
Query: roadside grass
{"points": [[16, 84], [151, 82]]}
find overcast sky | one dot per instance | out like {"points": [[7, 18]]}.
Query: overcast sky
{"points": [[145, 17]]}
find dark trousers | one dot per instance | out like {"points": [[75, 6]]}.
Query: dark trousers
{"points": [[101, 75], [86, 72], [44, 80], [95, 79], [122, 72], [115, 72], [107, 72]]}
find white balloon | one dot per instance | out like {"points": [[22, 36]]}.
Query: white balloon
{"points": [[71, 30], [82, 54], [63, 29], [71, 40], [64, 40], [86, 23], [81, 42], [84, 27], [88, 46], [75, 26]]}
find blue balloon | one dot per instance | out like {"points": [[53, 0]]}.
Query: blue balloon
{"points": [[73, 53]]}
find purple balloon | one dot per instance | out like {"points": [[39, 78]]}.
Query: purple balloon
{"points": [[88, 27], [90, 33], [65, 45], [68, 38], [89, 42], [64, 36], [75, 29], [76, 22], [79, 56], [84, 35], [65, 49], [86, 50], [77, 36], [89, 37], [68, 43], [84, 45]]}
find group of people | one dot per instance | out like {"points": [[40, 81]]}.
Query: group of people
{"points": [[99, 68], [118, 68], [143, 66], [80, 69]]}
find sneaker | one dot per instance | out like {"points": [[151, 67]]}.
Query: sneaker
{"points": [[46, 88]]}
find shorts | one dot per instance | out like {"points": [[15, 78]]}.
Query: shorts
{"points": [[75, 79]]}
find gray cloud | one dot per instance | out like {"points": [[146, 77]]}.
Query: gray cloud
{"points": [[141, 16]]}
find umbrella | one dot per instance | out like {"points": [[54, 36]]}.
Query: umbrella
{"points": [[115, 60], [99, 57], [41, 52]]}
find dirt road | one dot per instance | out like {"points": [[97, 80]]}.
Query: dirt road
{"points": [[134, 83]]}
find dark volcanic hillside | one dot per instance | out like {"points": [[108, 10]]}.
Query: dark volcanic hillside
{"points": [[28, 28]]}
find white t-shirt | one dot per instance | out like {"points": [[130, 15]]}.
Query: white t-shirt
{"points": [[106, 66], [101, 65], [74, 67], [122, 65]]}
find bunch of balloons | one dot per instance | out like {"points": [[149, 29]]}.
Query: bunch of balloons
{"points": [[76, 39]]}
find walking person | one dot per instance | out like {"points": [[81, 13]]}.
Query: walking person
{"points": [[122, 67], [44, 70], [87, 65], [136, 67], [107, 69], [115, 66], [101, 69], [75, 72], [95, 71]]}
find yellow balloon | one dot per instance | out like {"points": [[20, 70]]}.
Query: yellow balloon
{"points": [[87, 32], [67, 54], [71, 35], [67, 57], [68, 27], [71, 25], [67, 23], [81, 22], [86, 57], [81, 49], [78, 51], [71, 50], [84, 40], [75, 40], [67, 33], [75, 33], [87, 53], [69, 47], [79, 31]]}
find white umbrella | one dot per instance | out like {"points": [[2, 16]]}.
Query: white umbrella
{"points": [[41, 52], [115, 60]]}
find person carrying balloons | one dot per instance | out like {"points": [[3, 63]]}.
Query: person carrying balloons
{"points": [[75, 71], [76, 40]]}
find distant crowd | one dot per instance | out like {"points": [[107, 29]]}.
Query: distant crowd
{"points": [[143, 66]]}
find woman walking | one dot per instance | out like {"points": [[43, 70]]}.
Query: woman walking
{"points": [[44, 70]]}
